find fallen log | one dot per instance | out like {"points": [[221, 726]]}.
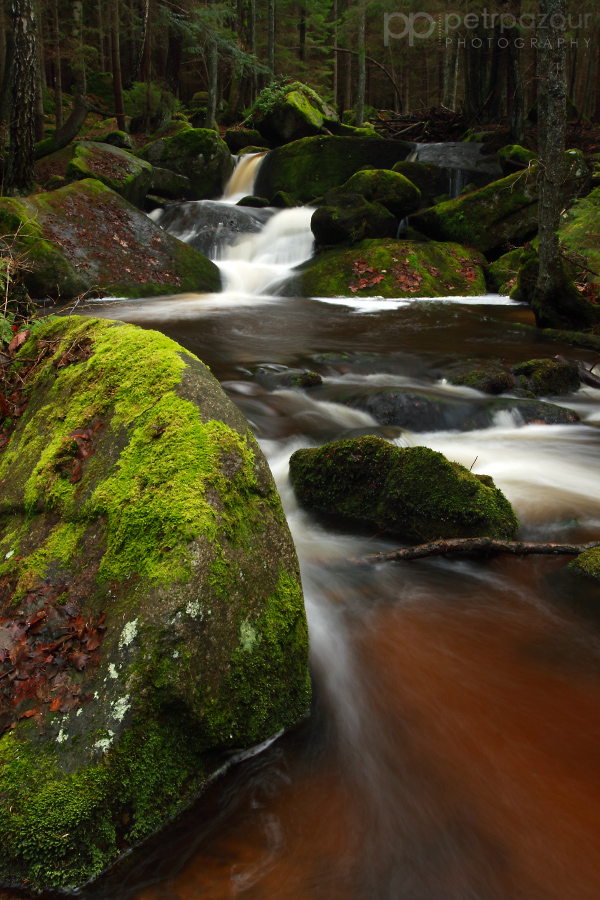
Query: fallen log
{"points": [[478, 545]]}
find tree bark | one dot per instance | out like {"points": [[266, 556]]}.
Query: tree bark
{"points": [[213, 85], [335, 54], [101, 55], [302, 34], [116, 67], [479, 545], [58, 110], [271, 38], [39, 91], [136, 66], [20, 166], [362, 67]]}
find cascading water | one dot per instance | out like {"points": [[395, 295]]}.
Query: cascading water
{"points": [[452, 751]]}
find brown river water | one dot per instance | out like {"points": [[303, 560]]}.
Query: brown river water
{"points": [[453, 751]]}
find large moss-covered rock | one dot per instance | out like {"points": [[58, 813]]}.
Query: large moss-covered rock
{"points": [[580, 231], [490, 376], [308, 168], [488, 219], [169, 184], [198, 153], [431, 180], [351, 220], [238, 139], [391, 268], [514, 158], [413, 492], [503, 272], [547, 377], [391, 189], [285, 113], [150, 601], [117, 139], [86, 238], [116, 168]]}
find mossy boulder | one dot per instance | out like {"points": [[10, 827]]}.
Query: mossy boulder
{"points": [[431, 180], [284, 113], [238, 139], [587, 563], [117, 169], [390, 189], [413, 492], [282, 200], [117, 139], [151, 603], [169, 184], [308, 168], [351, 220], [504, 271], [488, 219], [199, 154], [565, 307], [513, 158], [547, 377], [580, 231], [86, 238], [391, 268], [488, 375]]}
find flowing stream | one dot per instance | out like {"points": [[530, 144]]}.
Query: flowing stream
{"points": [[453, 751]]}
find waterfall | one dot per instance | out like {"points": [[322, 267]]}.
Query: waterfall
{"points": [[241, 183]]}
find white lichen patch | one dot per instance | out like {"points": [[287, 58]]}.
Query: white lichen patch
{"points": [[112, 671], [61, 736], [9, 554], [176, 654], [121, 707], [105, 743], [248, 636], [128, 634], [194, 609]]}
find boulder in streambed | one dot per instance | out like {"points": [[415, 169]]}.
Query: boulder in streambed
{"points": [[431, 180], [199, 154], [487, 375], [587, 563], [504, 271], [391, 189], [151, 614], [287, 112], [116, 168], [547, 377], [391, 268], [514, 158], [85, 237], [413, 492], [169, 184], [238, 139], [308, 168], [351, 220]]}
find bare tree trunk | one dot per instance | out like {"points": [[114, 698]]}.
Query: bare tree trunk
{"points": [[348, 84], [116, 67], [302, 34], [335, 53], [136, 66], [2, 43], [271, 38], [362, 67], [213, 85], [597, 108], [20, 166], [58, 110], [101, 55], [7, 79], [39, 93], [252, 28]]}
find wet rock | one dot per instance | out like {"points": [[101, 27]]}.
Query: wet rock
{"points": [[247, 151], [151, 609], [85, 237], [489, 376], [117, 169], [391, 268], [413, 492], [210, 227], [548, 377], [169, 184], [308, 168], [117, 139], [351, 220], [587, 564], [431, 180], [514, 158], [289, 112], [281, 200], [256, 202], [239, 139], [199, 154], [468, 161], [273, 377], [504, 271], [390, 189]]}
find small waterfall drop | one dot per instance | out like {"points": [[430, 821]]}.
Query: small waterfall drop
{"points": [[241, 183]]}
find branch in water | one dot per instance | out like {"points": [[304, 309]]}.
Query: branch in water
{"points": [[478, 545]]}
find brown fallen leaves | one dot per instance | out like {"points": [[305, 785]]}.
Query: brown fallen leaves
{"points": [[42, 648], [367, 276]]}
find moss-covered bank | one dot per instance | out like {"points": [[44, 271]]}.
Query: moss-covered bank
{"points": [[137, 514]]}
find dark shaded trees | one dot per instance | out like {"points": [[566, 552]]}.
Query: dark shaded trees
{"points": [[20, 166]]}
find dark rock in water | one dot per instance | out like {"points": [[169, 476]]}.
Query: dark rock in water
{"points": [[391, 189], [466, 160], [548, 377], [85, 237], [238, 139], [169, 184], [209, 226], [199, 154], [351, 220], [487, 375], [387, 432], [151, 599], [431, 180], [308, 168], [273, 377], [256, 202], [413, 492], [281, 200], [422, 412], [588, 564]]}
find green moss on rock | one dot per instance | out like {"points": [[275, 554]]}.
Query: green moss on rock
{"points": [[199, 154], [116, 168], [391, 189], [351, 220], [504, 271], [407, 269], [588, 564], [431, 180], [513, 158], [173, 531], [414, 492], [548, 377], [288, 111]]}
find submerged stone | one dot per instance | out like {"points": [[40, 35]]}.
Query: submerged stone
{"points": [[413, 492], [151, 604]]}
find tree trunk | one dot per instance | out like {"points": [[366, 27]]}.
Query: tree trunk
{"points": [[515, 82], [348, 83], [362, 67], [136, 66], [7, 80], [271, 38], [252, 37], [302, 35], [335, 54], [101, 55], [597, 108], [213, 85], [2, 44], [19, 170], [58, 110], [173, 64], [39, 93], [116, 67]]}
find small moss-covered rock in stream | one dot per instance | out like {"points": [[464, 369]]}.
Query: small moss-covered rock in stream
{"points": [[503, 212], [85, 237], [199, 154], [547, 377], [239, 139], [390, 189], [391, 268], [308, 168], [284, 113], [587, 563], [487, 375], [514, 158], [431, 180], [352, 219], [150, 592], [413, 492], [117, 169]]}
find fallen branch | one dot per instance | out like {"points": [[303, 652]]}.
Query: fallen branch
{"points": [[478, 545]]}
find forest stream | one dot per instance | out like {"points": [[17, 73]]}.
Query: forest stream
{"points": [[453, 748]]}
